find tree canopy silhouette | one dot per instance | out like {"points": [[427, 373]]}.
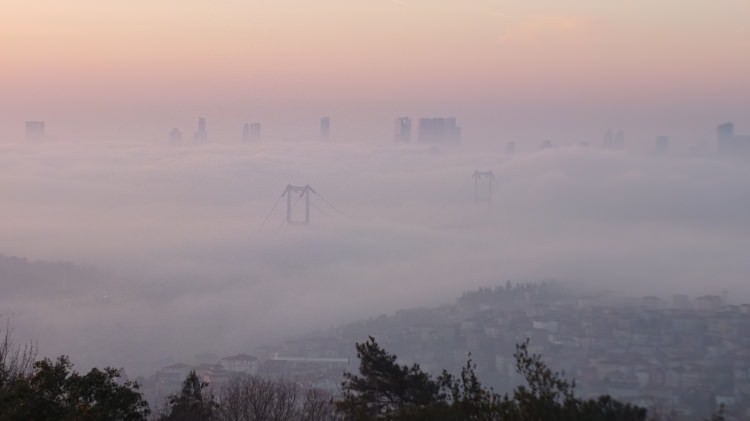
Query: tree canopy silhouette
{"points": [[385, 390]]}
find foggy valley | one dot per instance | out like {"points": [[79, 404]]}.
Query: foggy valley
{"points": [[171, 256]]}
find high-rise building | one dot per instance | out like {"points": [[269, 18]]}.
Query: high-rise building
{"points": [[729, 143], [34, 130], [614, 139], [439, 130], [510, 148], [619, 141], [325, 128], [175, 136], [201, 135], [251, 132], [725, 137], [402, 130]]}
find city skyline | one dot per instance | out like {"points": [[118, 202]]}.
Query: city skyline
{"points": [[504, 63], [444, 130]]}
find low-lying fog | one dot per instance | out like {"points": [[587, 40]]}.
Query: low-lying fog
{"points": [[177, 259]]}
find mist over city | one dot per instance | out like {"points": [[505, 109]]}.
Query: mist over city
{"points": [[165, 204], [188, 262]]}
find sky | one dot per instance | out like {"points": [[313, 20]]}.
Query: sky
{"points": [[96, 69]]}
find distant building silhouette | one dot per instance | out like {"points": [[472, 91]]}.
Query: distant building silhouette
{"points": [[608, 139], [724, 135], [251, 132], [175, 136], [510, 148], [402, 130], [614, 139], [619, 139], [34, 130], [325, 128], [661, 145], [546, 144], [729, 143], [201, 135], [439, 130]]}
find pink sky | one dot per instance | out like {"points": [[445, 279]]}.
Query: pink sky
{"points": [[64, 60]]}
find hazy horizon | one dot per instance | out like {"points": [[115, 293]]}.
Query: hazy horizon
{"points": [[179, 232], [506, 69]]}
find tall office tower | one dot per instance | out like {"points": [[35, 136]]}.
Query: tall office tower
{"points": [[510, 148], [402, 130], [34, 130], [608, 139], [439, 130], [255, 131], [730, 143], [619, 140], [201, 135], [325, 128], [175, 136], [661, 146], [251, 132], [725, 138]]}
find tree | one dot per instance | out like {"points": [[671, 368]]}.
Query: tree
{"points": [[16, 368], [318, 405], [56, 392], [16, 362], [385, 390], [52, 390], [255, 398], [261, 399], [549, 396], [193, 403]]}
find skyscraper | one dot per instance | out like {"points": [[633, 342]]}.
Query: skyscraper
{"points": [[325, 128], [729, 143], [402, 130], [614, 139], [250, 132], [175, 136], [34, 130], [439, 130], [725, 137], [619, 141], [201, 135]]}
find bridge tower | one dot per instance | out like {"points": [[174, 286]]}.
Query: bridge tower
{"points": [[304, 191], [482, 179]]}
